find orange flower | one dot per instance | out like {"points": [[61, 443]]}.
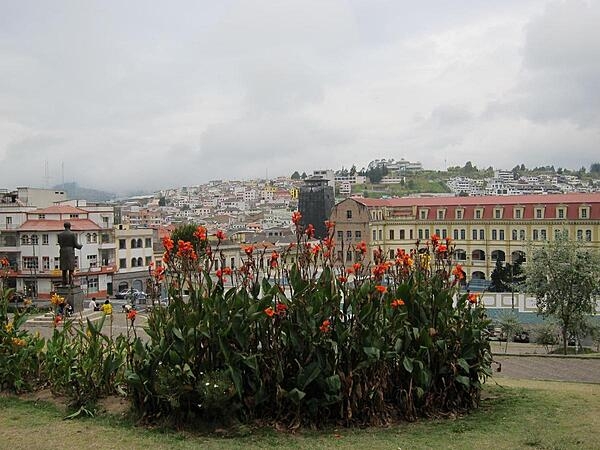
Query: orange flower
{"points": [[472, 298], [131, 314], [168, 243], [227, 270], [342, 279], [248, 249], [274, 258], [296, 216], [329, 242], [362, 247], [220, 234], [330, 224], [315, 249], [381, 289], [458, 272], [397, 302], [57, 320], [269, 311], [442, 248], [281, 308], [325, 326], [200, 233], [310, 231]]}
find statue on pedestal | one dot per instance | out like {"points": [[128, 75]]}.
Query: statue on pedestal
{"points": [[67, 240]]}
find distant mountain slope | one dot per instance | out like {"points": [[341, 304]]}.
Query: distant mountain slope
{"points": [[75, 192]]}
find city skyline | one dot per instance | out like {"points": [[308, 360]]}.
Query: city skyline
{"points": [[136, 97]]}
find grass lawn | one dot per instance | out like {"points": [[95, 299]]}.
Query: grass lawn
{"points": [[519, 414]]}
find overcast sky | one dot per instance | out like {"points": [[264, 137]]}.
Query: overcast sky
{"points": [[130, 95]]}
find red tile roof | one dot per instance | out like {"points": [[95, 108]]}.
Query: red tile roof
{"points": [[491, 200], [59, 209], [58, 225]]}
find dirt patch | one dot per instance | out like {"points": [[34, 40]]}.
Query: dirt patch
{"points": [[114, 405], [45, 395]]}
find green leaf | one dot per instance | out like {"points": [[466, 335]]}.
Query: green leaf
{"points": [[296, 395], [308, 374], [333, 383], [465, 381], [408, 364], [372, 352], [464, 364]]}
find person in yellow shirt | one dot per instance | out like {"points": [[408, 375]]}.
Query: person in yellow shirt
{"points": [[107, 308]]}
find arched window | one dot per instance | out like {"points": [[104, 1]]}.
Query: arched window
{"points": [[498, 255], [478, 255], [133, 262], [140, 262], [460, 255], [88, 238], [478, 275], [518, 256], [94, 237], [139, 243], [133, 243], [24, 240], [34, 239]]}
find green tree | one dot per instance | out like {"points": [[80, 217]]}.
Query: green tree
{"points": [[564, 276], [162, 201], [595, 168]]}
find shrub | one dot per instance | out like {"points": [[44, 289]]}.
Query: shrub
{"points": [[303, 340]]}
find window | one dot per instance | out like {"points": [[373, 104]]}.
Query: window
{"points": [[580, 235], [518, 213], [391, 235], [358, 235], [56, 262], [30, 262], [34, 239], [423, 214], [583, 212], [45, 239], [133, 243], [92, 283], [88, 238], [478, 213], [139, 243], [8, 221], [391, 254], [94, 238], [441, 213], [420, 233], [133, 262], [349, 214], [514, 235], [474, 235], [105, 238], [560, 213], [543, 235], [349, 256], [24, 240], [498, 213], [149, 260], [494, 235], [402, 234], [349, 234], [374, 235], [459, 214], [340, 235], [92, 260], [411, 234], [380, 234], [539, 213], [455, 234], [122, 263], [536, 235], [481, 235], [148, 242], [74, 216], [463, 234], [41, 216], [521, 235], [437, 231], [427, 233], [444, 233], [500, 235], [45, 263], [588, 235], [122, 244], [140, 262], [105, 222]]}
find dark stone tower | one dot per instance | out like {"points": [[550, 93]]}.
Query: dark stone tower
{"points": [[315, 202]]}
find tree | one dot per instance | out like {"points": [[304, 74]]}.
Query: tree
{"points": [[564, 276], [595, 168], [507, 277], [162, 201], [295, 176]]}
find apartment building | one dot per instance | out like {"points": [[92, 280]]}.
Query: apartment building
{"points": [[134, 253], [483, 229]]}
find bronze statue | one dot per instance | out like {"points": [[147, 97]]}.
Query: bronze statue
{"points": [[68, 243]]}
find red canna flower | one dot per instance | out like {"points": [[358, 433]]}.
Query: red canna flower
{"points": [[442, 248], [220, 234], [200, 233], [356, 267], [472, 298], [249, 249], [381, 289], [168, 243], [342, 279], [296, 217], [362, 247], [325, 326], [315, 249], [329, 242], [281, 308], [310, 231], [397, 302], [269, 311], [330, 224], [458, 272], [131, 314]]}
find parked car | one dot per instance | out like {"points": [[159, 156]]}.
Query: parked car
{"points": [[522, 336], [131, 294]]}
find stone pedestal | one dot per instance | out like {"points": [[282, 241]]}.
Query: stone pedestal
{"points": [[73, 296]]}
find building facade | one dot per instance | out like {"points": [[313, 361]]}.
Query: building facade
{"points": [[316, 203], [483, 229]]}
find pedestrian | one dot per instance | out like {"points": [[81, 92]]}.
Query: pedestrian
{"points": [[107, 307], [93, 305]]}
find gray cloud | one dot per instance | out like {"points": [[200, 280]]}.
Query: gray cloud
{"points": [[138, 95]]}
